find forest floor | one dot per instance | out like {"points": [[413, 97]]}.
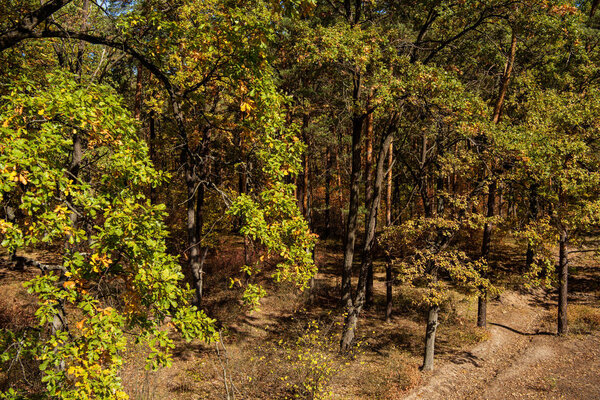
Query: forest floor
{"points": [[289, 347]]}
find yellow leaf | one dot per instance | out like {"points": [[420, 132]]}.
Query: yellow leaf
{"points": [[22, 179], [247, 106]]}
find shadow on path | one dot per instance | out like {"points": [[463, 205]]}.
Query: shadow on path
{"points": [[522, 333]]}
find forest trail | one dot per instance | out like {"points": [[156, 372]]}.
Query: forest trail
{"points": [[523, 359]]}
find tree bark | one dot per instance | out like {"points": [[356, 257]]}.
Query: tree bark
{"points": [[487, 230], [351, 222], [432, 324], [505, 79], [389, 300], [192, 230], [137, 106], [306, 200], [389, 283], [152, 152], [533, 215], [356, 304], [485, 252], [594, 7], [369, 197], [328, 168], [563, 274], [29, 22], [388, 191]]}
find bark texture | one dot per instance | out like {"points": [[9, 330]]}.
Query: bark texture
{"points": [[563, 274]]}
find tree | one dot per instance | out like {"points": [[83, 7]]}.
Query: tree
{"points": [[117, 239]]}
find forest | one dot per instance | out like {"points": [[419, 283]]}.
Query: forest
{"points": [[299, 199]]}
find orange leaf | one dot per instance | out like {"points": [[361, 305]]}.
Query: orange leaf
{"points": [[69, 285]]}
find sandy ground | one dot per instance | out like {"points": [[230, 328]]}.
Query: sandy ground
{"points": [[522, 360]]}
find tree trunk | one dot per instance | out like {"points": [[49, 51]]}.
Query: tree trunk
{"points": [[137, 107], [192, 230], [593, 8], [340, 190], [59, 319], [563, 273], [152, 152], [356, 304], [389, 300], [389, 283], [388, 192], [369, 197], [505, 79], [485, 253], [487, 231], [533, 215], [432, 324], [328, 168], [349, 329], [351, 222]]}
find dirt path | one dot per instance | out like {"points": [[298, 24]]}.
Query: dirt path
{"points": [[520, 361]]}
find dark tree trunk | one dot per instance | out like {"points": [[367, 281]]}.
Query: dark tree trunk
{"points": [[485, 252], [389, 300], [396, 196], [351, 222], [328, 169], [369, 198], [192, 230], [137, 107], [388, 191], [306, 172], [487, 230], [389, 283], [152, 151], [339, 187], [563, 274], [593, 8], [533, 215], [356, 303]]}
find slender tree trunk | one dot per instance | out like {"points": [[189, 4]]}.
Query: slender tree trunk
{"points": [[356, 303], [388, 191], [306, 198], [59, 319], [593, 8], [78, 68], [563, 274], [192, 229], [152, 152], [199, 268], [505, 79], [340, 189], [328, 168], [432, 324], [533, 215], [485, 253], [487, 231], [389, 285], [396, 197], [351, 222], [369, 197], [137, 107]]}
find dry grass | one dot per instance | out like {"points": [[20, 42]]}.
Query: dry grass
{"points": [[268, 355], [583, 319]]}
